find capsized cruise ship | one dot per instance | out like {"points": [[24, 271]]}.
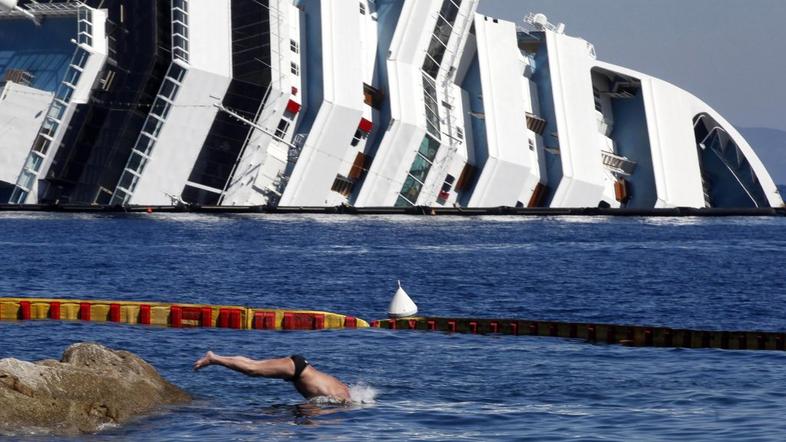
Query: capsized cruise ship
{"points": [[367, 103]]}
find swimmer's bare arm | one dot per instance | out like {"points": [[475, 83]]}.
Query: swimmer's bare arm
{"points": [[282, 368]]}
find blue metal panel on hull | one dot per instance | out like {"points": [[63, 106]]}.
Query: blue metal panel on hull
{"points": [[631, 136], [42, 51]]}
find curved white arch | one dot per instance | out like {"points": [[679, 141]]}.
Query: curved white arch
{"points": [[670, 114]]}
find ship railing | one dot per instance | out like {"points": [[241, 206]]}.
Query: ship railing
{"points": [[60, 9], [618, 164]]}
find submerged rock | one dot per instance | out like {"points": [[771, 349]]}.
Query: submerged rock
{"points": [[91, 388]]}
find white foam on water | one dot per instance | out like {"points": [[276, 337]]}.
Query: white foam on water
{"points": [[363, 394]]}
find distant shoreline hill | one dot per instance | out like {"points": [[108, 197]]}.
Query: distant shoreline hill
{"points": [[770, 146]]}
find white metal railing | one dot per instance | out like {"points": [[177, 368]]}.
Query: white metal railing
{"points": [[59, 8], [33, 10], [618, 164]]}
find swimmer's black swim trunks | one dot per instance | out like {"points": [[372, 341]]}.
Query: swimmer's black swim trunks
{"points": [[300, 364]]}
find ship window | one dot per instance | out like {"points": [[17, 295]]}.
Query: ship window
{"points": [[176, 73], [41, 144], [103, 196], [356, 139], [294, 46], [295, 68], [420, 168], [34, 162], [429, 148], [179, 28], [72, 76], [49, 127], [137, 161], [120, 197], [362, 9], [80, 57], [144, 144], [161, 108], [26, 180], [283, 127], [411, 189], [153, 126], [178, 15], [402, 202], [168, 89], [56, 111], [65, 92], [128, 181]]}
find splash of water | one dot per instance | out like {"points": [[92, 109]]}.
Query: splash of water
{"points": [[363, 394]]}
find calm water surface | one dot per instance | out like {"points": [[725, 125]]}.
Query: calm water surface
{"points": [[704, 273]]}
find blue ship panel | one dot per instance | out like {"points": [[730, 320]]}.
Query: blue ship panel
{"points": [[43, 51]]}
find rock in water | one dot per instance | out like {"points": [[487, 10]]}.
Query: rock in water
{"points": [[92, 387]]}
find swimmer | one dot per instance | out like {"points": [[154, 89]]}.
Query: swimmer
{"points": [[307, 380]]}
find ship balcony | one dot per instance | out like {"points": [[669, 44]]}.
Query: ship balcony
{"points": [[536, 123], [618, 164]]}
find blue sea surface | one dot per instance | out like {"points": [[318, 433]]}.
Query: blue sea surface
{"points": [[719, 273]]}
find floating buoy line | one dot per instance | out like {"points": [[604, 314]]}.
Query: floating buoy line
{"points": [[245, 318], [173, 315]]}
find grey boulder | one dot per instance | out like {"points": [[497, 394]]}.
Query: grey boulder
{"points": [[91, 388]]}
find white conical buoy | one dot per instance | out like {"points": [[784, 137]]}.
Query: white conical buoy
{"points": [[402, 305]]}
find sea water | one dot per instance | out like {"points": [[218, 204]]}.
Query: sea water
{"points": [[719, 273]]}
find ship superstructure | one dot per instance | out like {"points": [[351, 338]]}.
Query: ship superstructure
{"points": [[369, 103]]}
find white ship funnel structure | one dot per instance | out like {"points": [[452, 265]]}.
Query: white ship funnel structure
{"points": [[402, 306]]}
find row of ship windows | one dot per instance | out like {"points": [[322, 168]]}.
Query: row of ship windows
{"points": [[148, 137], [180, 44], [421, 166], [85, 26], [435, 53], [51, 123]]}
